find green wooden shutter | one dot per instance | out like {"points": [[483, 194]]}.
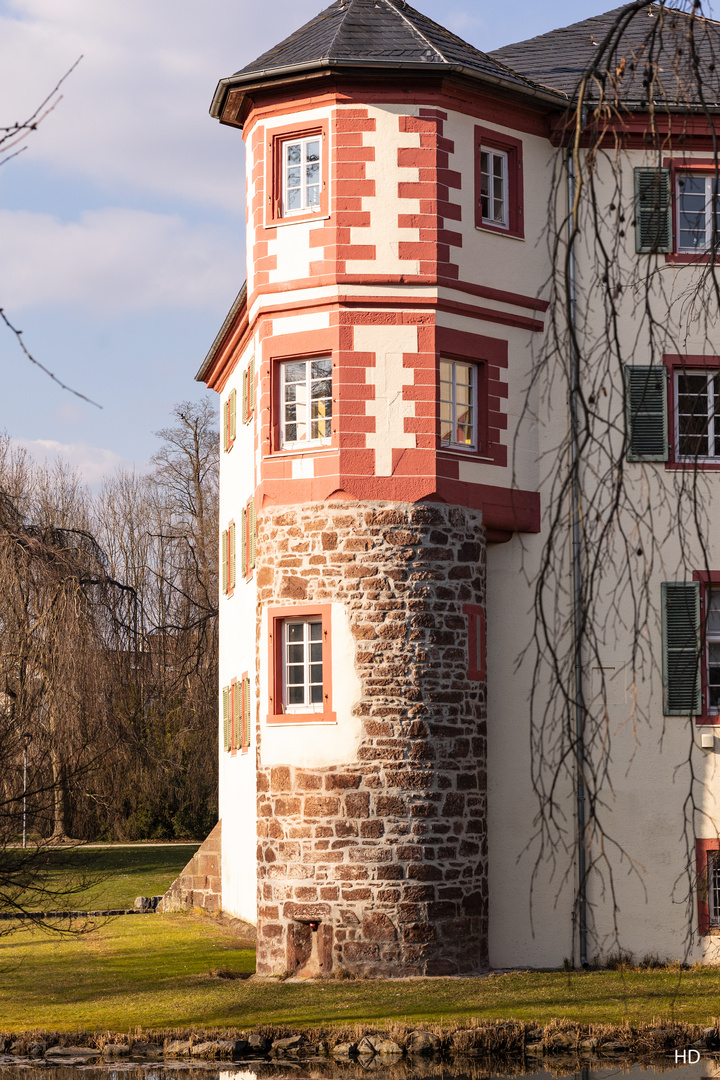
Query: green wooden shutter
{"points": [[243, 544], [226, 717], [653, 210], [251, 386], [226, 425], [245, 397], [647, 419], [252, 533], [231, 545], [224, 560], [681, 648], [246, 718], [233, 416], [237, 715]]}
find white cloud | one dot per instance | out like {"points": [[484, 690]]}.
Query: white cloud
{"points": [[135, 112], [93, 463], [112, 261]]}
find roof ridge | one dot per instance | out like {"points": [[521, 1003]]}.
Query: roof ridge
{"points": [[393, 5], [346, 5]]}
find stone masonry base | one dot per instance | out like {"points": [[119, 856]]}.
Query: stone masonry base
{"points": [[379, 866]]}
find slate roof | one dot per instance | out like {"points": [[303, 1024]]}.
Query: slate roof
{"points": [[656, 33], [371, 34]]}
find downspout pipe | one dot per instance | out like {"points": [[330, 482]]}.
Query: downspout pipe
{"points": [[577, 564]]}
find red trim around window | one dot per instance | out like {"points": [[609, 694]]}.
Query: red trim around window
{"points": [[273, 171], [675, 363], [276, 616], [702, 848], [498, 140], [707, 579], [685, 165], [233, 733], [477, 666]]}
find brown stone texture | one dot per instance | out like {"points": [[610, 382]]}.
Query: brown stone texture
{"points": [[383, 859], [199, 885]]}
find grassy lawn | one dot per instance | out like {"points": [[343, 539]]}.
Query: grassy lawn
{"points": [[155, 971], [114, 875]]}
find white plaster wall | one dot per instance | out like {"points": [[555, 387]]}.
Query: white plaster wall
{"points": [[489, 258], [388, 377], [289, 240], [309, 745], [237, 655], [384, 206], [657, 763]]}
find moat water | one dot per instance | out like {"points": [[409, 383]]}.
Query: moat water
{"points": [[461, 1069]]}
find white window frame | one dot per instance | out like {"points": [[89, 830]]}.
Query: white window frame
{"points": [[298, 444], [473, 446], [502, 156], [305, 207], [713, 418], [306, 706], [710, 180]]}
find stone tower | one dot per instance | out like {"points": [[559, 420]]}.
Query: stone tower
{"points": [[363, 377]]}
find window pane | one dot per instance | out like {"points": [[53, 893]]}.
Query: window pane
{"points": [[295, 654], [296, 695], [693, 415], [293, 153], [316, 695], [713, 616], [713, 872], [312, 150], [294, 373], [316, 673], [295, 631]]}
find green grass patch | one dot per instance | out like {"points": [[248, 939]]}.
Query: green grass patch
{"points": [[157, 972], [111, 877]]}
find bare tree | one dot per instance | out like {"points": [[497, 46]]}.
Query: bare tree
{"points": [[615, 524]]}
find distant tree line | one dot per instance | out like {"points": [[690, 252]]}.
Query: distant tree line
{"points": [[108, 644]]}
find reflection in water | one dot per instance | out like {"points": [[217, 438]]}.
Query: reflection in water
{"points": [[326, 1069]]}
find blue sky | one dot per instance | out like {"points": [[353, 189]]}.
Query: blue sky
{"points": [[122, 223]]}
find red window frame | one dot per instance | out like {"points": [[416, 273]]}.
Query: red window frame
{"points": [[308, 447], [709, 579], [498, 140], [477, 659], [702, 850], [481, 388], [685, 165], [245, 685], [276, 617], [674, 363], [273, 171]]}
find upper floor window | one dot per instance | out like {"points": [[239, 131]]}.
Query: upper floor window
{"points": [[458, 405], [494, 187], [697, 204], [305, 401], [687, 231], [498, 182], [297, 172], [301, 168], [697, 395]]}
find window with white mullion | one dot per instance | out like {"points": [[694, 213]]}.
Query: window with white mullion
{"points": [[301, 175], [305, 401], [696, 407], [713, 883], [494, 187], [697, 200], [458, 405], [302, 665]]}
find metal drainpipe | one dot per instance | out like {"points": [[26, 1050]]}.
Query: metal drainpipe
{"points": [[577, 572]]}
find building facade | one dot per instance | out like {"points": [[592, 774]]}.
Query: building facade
{"points": [[386, 488]]}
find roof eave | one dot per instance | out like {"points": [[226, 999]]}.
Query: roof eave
{"points": [[254, 79], [238, 304]]}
